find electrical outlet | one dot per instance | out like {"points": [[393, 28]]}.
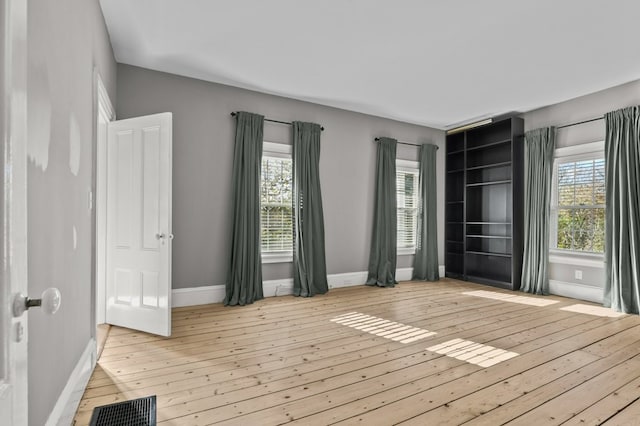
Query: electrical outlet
{"points": [[578, 274]]}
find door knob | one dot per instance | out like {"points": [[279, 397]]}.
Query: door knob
{"points": [[163, 236], [49, 301]]}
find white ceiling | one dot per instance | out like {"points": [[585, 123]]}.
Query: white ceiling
{"points": [[433, 62]]}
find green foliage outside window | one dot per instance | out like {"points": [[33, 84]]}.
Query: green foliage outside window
{"points": [[580, 210]]}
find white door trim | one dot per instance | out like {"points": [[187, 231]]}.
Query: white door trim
{"points": [[13, 210], [104, 114]]}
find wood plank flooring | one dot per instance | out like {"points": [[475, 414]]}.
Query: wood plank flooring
{"points": [[282, 360]]}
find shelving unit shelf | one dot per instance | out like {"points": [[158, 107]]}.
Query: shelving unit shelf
{"points": [[484, 204]]}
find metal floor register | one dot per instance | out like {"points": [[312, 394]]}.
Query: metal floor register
{"points": [[135, 412]]}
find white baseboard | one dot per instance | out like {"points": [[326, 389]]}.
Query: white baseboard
{"points": [[404, 274], [576, 291], [272, 288], [192, 296], [65, 409], [347, 279], [215, 293]]}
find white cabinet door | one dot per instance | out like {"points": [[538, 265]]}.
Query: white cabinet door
{"points": [[138, 287]]}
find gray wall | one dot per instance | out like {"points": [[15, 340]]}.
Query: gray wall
{"points": [[66, 40], [573, 111], [202, 155], [580, 109]]}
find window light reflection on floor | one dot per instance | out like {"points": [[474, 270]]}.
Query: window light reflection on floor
{"points": [[395, 331]]}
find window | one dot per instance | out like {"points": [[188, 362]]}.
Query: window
{"points": [[578, 201], [407, 197], [276, 203]]}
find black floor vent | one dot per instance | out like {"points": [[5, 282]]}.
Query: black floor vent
{"points": [[136, 412]]}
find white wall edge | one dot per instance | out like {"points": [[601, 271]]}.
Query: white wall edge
{"points": [[577, 261], [576, 291], [65, 409]]}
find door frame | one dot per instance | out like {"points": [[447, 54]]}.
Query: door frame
{"points": [[13, 205], [106, 112]]}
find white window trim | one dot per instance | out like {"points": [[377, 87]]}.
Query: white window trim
{"points": [[407, 166], [277, 150], [405, 251], [565, 257], [575, 150], [277, 257], [579, 152]]}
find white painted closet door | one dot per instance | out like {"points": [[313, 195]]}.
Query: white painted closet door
{"points": [[138, 290]]}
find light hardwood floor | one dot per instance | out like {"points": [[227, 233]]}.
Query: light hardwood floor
{"points": [[282, 360]]}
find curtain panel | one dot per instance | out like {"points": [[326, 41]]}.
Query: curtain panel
{"points": [[309, 264], [622, 212], [539, 146], [425, 262], [244, 278], [382, 256]]}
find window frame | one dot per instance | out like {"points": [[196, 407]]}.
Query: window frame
{"points": [[279, 151], [570, 154], [410, 167]]}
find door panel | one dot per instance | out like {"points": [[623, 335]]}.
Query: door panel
{"points": [[151, 190], [139, 223]]}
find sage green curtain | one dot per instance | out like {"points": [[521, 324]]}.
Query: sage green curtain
{"points": [[244, 278], [539, 146], [622, 213], [382, 256], [425, 262], [309, 265]]}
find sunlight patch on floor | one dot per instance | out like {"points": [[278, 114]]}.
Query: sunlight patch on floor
{"points": [[383, 328], [472, 352], [593, 310], [524, 300]]}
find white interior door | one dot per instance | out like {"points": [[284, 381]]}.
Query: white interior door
{"points": [[13, 211], [138, 288]]}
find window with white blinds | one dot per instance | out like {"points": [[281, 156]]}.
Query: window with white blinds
{"points": [[407, 198], [276, 204], [578, 203]]}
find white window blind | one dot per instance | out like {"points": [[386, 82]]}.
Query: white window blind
{"points": [[407, 198], [578, 208], [276, 204]]}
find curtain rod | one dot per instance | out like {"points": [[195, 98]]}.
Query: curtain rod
{"points": [[406, 143], [580, 122], [233, 114]]}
